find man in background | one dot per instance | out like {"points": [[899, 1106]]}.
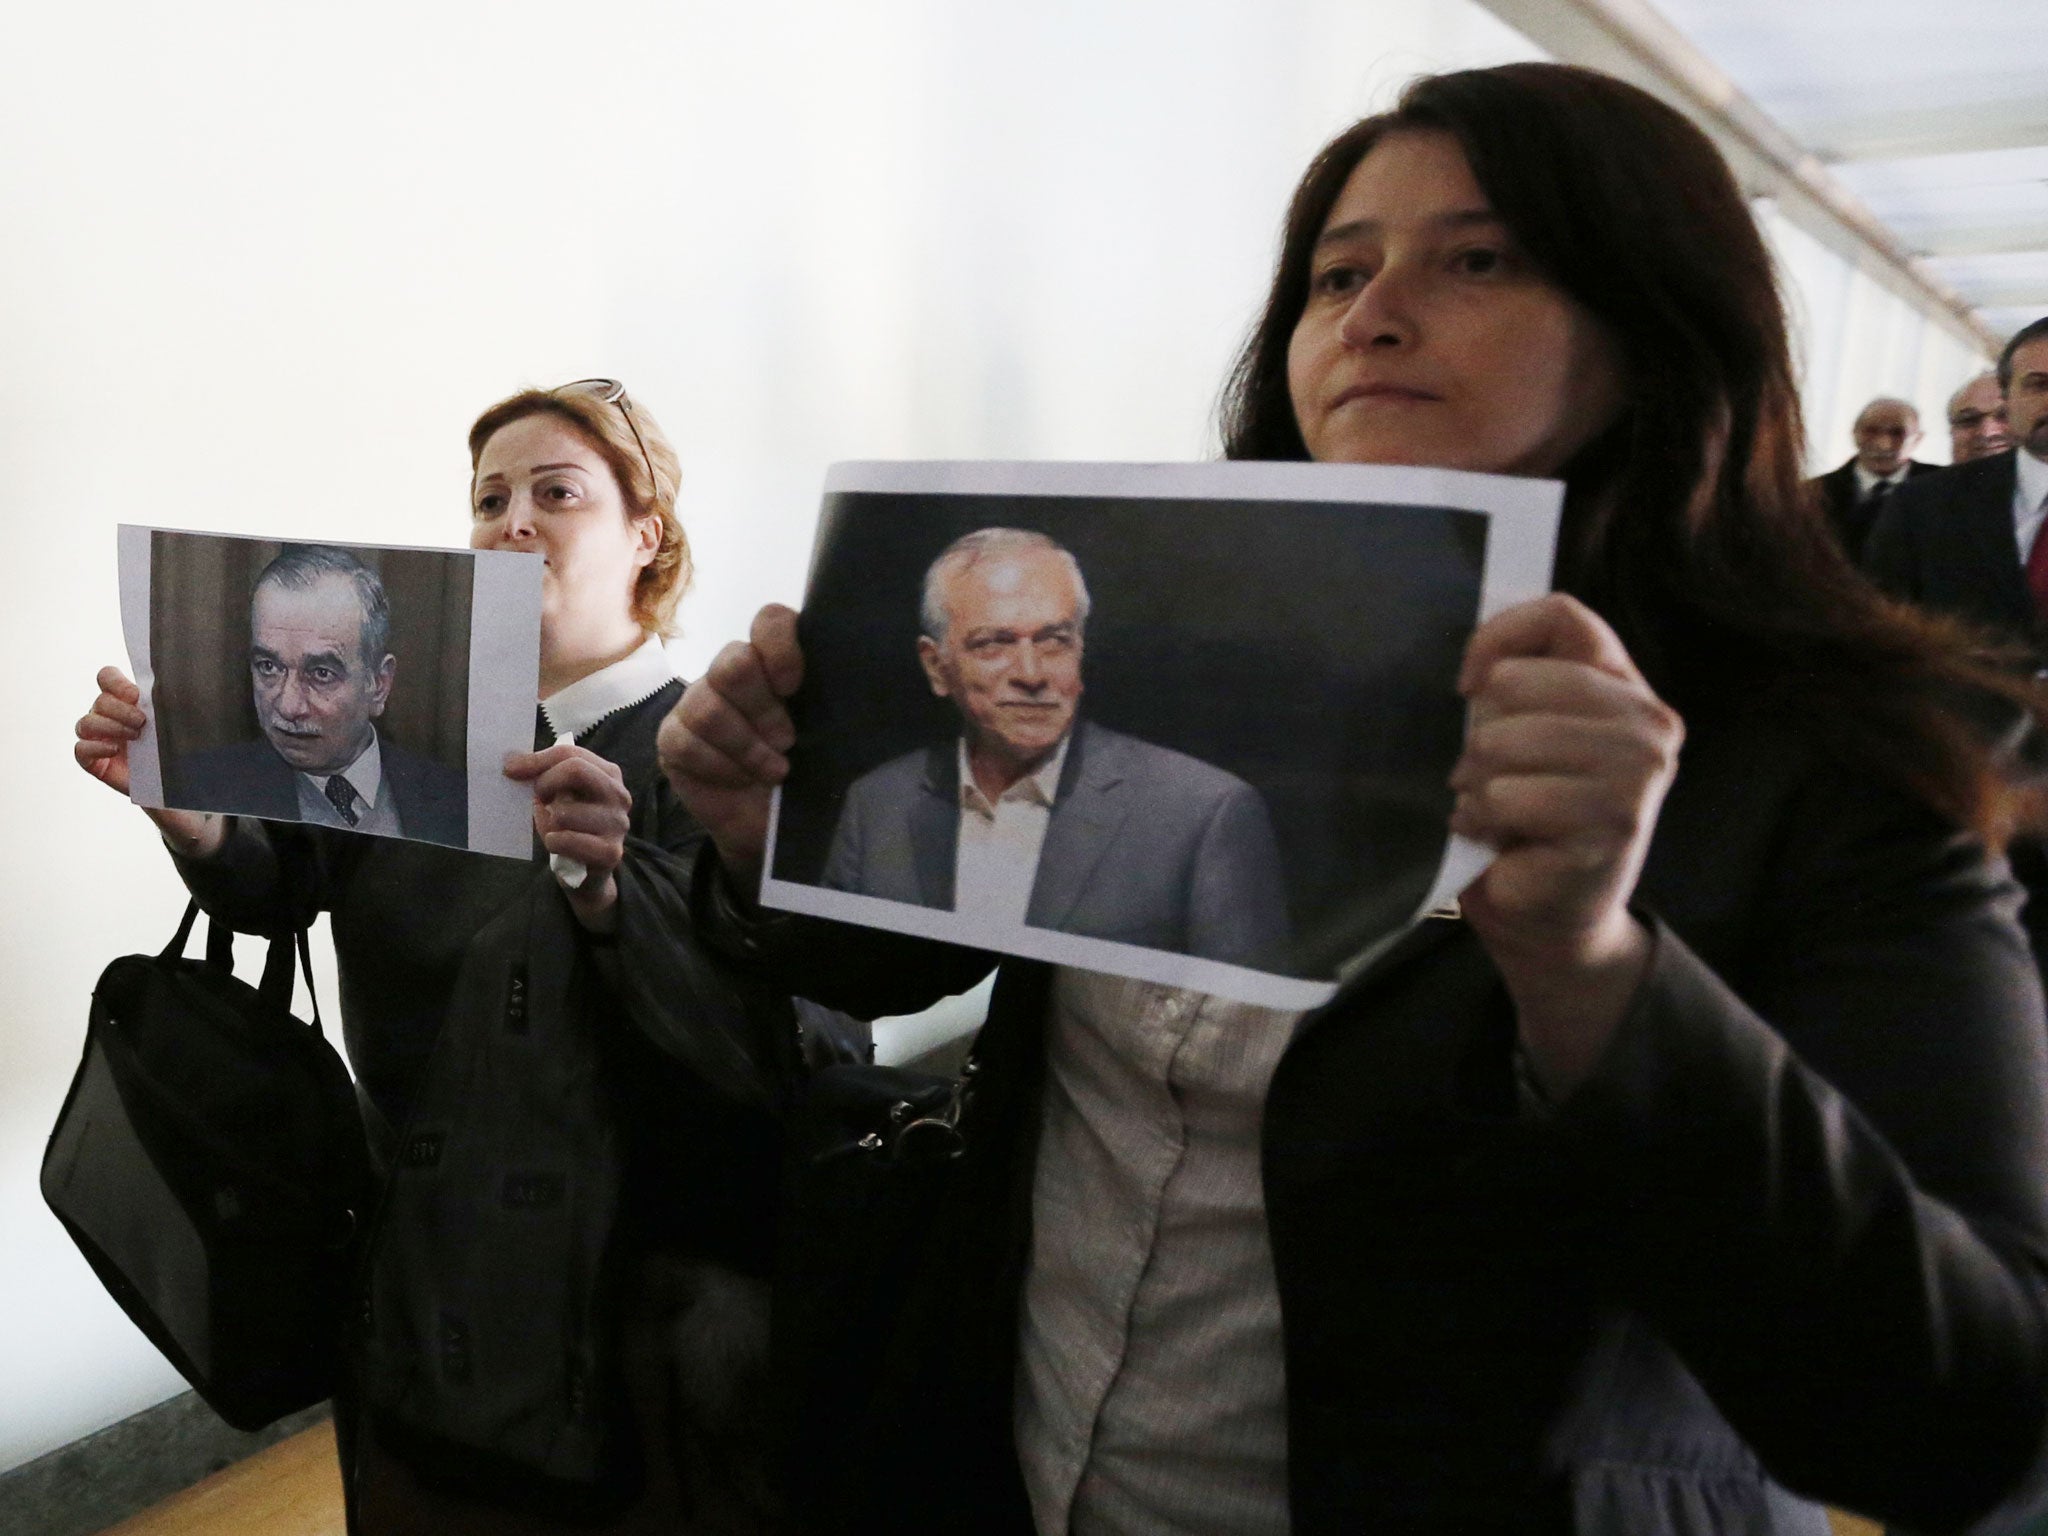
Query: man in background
{"points": [[1976, 420], [1968, 542], [1030, 814], [1886, 432], [321, 673]]}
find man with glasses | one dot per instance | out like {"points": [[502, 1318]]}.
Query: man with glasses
{"points": [[1976, 420]]}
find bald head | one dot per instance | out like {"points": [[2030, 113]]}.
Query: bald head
{"points": [[1887, 431], [1976, 419]]}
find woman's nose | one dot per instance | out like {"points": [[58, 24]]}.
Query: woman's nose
{"points": [[519, 524], [1381, 315]]}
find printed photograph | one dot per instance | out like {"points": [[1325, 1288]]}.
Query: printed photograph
{"points": [[1196, 734], [326, 684]]}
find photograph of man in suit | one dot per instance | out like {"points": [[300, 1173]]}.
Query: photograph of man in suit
{"points": [[1886, 433], [321, 672], [1033, 815]]}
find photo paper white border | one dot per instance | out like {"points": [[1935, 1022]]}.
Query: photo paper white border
{"points": [[504, 675], [1521, 549]]}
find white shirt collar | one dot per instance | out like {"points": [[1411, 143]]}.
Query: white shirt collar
{"points": [[2032, 483], [1865, 480], [631, 680], [363, 775], [1039, 786]]}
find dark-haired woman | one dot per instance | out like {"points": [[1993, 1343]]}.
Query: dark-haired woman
{"points": [[617, 1328], [1701, 1170]]}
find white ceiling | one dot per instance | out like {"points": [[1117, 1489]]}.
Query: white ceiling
{"points": [[1939, 126]]}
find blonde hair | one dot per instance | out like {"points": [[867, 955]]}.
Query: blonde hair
{"points": [[647, 480]]}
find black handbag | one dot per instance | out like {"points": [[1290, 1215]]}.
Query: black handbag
{"points": [[210, 1163], [872, 1156]]}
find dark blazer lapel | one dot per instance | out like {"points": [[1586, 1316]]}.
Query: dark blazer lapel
{"points": [[277, 783], [935, 828], [1986, 521], [1086, 813]]}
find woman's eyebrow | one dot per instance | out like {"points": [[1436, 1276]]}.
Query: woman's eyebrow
{"points": [[1461, 218]]}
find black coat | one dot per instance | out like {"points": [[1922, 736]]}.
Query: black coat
{"points": [[1852, 521], [1948, 543], [1792, 1233]]}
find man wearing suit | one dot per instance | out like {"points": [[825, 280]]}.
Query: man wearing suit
{"points": [[1886, 433], [1030, 816], [321, 670], [1968, 542], [1976, 420]]}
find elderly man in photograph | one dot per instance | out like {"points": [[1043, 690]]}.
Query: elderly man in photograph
{"points": [[321, 670], [1032, 815]]}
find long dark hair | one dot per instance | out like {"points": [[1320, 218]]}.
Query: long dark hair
{"points": [[1687, 523]]}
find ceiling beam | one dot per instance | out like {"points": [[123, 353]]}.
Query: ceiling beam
{"points": [[1984, 240], [1631, 39], [2009, 296], [1907, 135]]}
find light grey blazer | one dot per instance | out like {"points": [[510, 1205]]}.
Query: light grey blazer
{"points": [[1146, 846]]}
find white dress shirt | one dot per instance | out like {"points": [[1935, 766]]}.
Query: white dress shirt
{"points": [[1866, 482], [2029, 492], [365, 777], [995, 860]]}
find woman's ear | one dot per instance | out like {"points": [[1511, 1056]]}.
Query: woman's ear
{"points": [[647, 539]]}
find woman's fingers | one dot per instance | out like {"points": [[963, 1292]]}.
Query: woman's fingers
{"points": [[104, 731], [567, 770], [112, 680], [1568, 754], [1556, 626], [724, 745], [773, 637]]}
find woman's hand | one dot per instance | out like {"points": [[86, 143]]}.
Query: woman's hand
{"points": [[104, 734], [1567, 758], [723, 744], [581, 810]]}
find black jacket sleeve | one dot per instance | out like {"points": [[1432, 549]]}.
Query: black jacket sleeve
{"points": [[1825, 1168], [866, 972]]}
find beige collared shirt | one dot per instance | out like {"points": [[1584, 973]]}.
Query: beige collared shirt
{"points": [[996, 858], [1151, 1388]]}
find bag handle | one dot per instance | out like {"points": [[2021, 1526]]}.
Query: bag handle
{"points": [[276, 985]]}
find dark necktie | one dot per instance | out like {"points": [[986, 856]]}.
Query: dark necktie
{"points": [[1875, 496], [343, 798]]}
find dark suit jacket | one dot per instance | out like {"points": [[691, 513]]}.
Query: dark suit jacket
{"points": [[1791, 1233], [1947, 543], [1852, 523], [248, 778], [1145, 846]]}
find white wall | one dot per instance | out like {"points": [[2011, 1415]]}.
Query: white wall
{"points": [[261, 263], [1856, 340]]}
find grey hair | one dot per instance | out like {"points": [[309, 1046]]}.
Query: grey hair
{"points": [[1907, 406], [306, 565], [971, 549]]}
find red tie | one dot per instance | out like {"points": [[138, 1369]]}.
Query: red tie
{"points": [[2037, 573]]}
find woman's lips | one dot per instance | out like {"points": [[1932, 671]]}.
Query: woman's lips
{"points": [[1397, 393]]}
